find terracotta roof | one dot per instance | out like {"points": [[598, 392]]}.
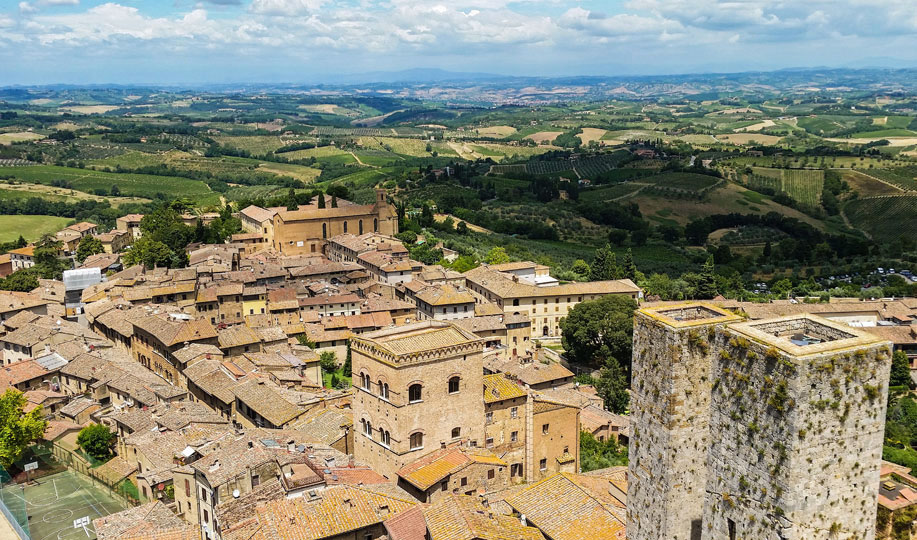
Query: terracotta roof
{"points": [[327, 299], [174, 332], [498, 388], [432, 468], [267, 402], [152, 520], [586, 508], [407, 525], [256, 213], [418, 337], [341, 509], [445, 295], [504, 286], [20, 372], [237, 336], [488, 323], [82, 226], [28, 251], [16, 301], [536, 368], [56, 428], [462, 517]]}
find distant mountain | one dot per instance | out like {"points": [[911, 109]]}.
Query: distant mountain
{"points": [[417, 75]]}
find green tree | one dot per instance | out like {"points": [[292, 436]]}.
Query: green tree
{"points": [[292, 205], [47, 263], [321, 200], [148, 252], [496, 255], [605, 265], [464, 264], [612, 387], [782, 288], [115, 191], [347, 368], [596, 330], [96, 440], [328, 361], [628, 266], [24, 280], [334, 201], [705, 287], [89, 245], [596, 454], [580, 268], [901, 370], [18, 429], [426, 216], [461, 228]]}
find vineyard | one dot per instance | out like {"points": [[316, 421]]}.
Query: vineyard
{"points": [[902, 178], [183, 140], [589, 167], [609, 193], [357, 132], [15, 163], [802, 185], [884, 218], [679, 181]]}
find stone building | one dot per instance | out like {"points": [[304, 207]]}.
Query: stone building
{"points": [[770, 429], [404, 375], [307, 229]]}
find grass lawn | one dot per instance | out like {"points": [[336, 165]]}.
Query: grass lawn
{"points": [[30, 227], [326, 377]]}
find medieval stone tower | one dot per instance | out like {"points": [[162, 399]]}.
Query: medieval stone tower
{"points": [[670, 412], [788, 413]]}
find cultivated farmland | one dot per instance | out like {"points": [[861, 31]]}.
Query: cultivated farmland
{"points": [[30, 227], [884, 218]]}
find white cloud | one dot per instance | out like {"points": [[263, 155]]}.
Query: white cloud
{"points": [[285, 7]]}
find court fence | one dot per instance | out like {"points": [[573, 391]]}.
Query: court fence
{"points": [[12, 505], [75, 462]]}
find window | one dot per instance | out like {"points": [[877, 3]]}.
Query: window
{"points": [[543, 464], [386, 437], [415, 393], [732, 529], [515, 301], [545, 428], [361, 226], [444, 485], [206, 516], [454, 385], [464, 481], [187, 488], [456, 432], [144, 491], [345, 226], [324, 230], [514, 412], [256, 480], [490, 417], [369, 429], [364, 381], [383, 390], [489, 442], [566, 449], [203, 495], [416, 441], [514, 436], [515, 470], [375, 225], [491, 474]]}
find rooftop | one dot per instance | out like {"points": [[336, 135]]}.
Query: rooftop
{"points": [[805, 334], [690, 314]]}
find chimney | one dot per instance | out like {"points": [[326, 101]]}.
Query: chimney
{"points": [[291, 446]]}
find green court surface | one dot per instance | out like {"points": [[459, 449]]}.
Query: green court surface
{"points": [[55, 501]]}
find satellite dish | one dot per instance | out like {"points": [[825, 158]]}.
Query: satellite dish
{"points": [[235, 493]]}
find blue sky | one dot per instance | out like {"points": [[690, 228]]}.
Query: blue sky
{"points": [[216, 41]]}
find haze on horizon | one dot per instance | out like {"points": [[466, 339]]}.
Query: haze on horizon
{"points": [[311, 41]]}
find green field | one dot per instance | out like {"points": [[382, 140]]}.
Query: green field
{"points": [[608, 193], [882, 133], [324, 154], [682, 181], [802, 185], [139, 185], [30, 227], [884, 218], [903, 178]]}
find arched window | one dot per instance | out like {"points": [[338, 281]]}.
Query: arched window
{"points": [[385, 437], [375, 225], [363, 425], [365, 381], [369, 429], [415, 393], [416, 441], [345, 226], [456, 432], [383, 390], [454, 384], [361, 226], [324, 230]]}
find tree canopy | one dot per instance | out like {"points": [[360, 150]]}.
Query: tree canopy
{"points": [[89, 245], [96, 440], [18, 429], [599, 329]]}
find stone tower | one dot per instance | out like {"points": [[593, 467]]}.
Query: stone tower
{"points": [[416, 388], [670, 410], [798, 415]]}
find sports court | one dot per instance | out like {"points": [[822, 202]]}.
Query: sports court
{"points": [[57, 500]]}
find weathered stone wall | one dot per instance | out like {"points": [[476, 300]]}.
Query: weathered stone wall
{"points": [[670, 403], [797, 440]]}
